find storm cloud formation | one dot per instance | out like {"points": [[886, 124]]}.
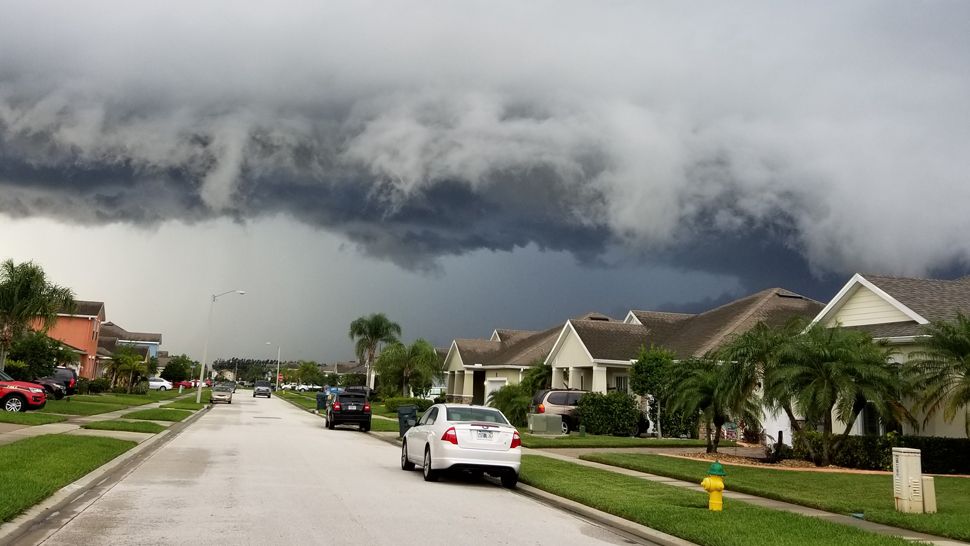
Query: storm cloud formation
{"points": [[836, 136]]}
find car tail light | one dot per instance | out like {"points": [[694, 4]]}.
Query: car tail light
{"points": [[450, 436], [516, 441], [72, 383], [336, 406], [541, 408], [367, 408]]}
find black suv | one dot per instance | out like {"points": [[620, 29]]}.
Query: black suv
{"points": [[349, 408], [64, 376]]}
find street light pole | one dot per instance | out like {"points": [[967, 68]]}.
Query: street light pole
{"points": [[205, 348], [278, 349]]}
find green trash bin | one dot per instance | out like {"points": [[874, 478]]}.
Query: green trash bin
{"points": [[407, 416], [322, 400]]}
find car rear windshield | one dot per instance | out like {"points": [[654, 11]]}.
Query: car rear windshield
{"points": [[475, 414], [352, 398], [262, 383], [226, 388]]}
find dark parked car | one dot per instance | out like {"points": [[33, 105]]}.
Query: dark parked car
{"points": [[55, 389], [349, 408], [563, 402], [263, 388], [65, 376]]}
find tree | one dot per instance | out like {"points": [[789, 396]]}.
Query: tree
{"points": [[27, 296], [697, 386], [944, 370], [309, 373], [401, 364], [40, 354], [178, 368], [128, 365], [835, 373], [369, 333], [537, 377], [650, 375], [513, 401]]}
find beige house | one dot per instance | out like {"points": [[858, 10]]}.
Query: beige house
{"points": [[895, 310]]}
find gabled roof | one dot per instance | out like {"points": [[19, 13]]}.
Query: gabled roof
{"points": [[504, 334], [616, 341], [523, 350], [644, 317], [922, 300], [113, 330], [476, 351], [86, 308]]}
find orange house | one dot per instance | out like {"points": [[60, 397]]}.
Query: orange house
{"points": [[80, 330]]}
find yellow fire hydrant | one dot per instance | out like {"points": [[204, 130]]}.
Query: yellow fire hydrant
{"points": [[714, 484]]}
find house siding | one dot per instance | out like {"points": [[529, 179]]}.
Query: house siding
{"points": [[866, 307], [571, 353]]}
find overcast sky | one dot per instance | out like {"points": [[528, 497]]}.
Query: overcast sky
{"points": [[466, 166]]}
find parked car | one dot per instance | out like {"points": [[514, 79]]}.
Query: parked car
{"points": [[206, 383], [20, 395], [54, 389], [222, 392], [65, 376], [348, 408], [563, 402], [158, 384], [303, 387], [469, 438], [263, 388], [184, 384]]}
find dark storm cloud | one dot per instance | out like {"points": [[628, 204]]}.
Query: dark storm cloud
{"points": [[770, 141]]}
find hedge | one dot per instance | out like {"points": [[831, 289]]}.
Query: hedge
{"points": [[938, 455], [614, 414], [392, 403]]}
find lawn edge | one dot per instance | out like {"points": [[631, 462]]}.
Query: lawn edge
{"points": [[32, 520]]}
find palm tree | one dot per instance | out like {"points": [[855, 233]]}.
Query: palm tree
{"points": [[835, 373], [126, 364], [538, 376], [944, 370], [27, 296], [513, 401], [407, 361], [368, 333]]}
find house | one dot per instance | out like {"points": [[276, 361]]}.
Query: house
{"points": [[895, 310], [474, 368], [150, 341], [80, 330]]}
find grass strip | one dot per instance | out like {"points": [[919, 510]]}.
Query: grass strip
{"points": [[839, 492], [120, 399], [684, 513], [174, 415], [71, 407], [35, 468], [187, 404], [383, 425], [127, 426], [32, 418], [575, 440], [299, 400]]}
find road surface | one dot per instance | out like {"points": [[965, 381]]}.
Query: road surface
{"points": [[261, 471]]}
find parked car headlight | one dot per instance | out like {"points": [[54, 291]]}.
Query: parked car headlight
{"points": [[35, 390]]}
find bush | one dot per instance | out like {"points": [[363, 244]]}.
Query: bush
{"points": [[18, 370], [615, 413], [939, 455], [96, 386], [513, 401], [392, 403]]}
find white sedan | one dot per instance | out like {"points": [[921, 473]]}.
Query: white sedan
{"points": [[456, 437], [158, 384]]}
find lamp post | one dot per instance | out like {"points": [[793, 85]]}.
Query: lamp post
{"points": [[278, 349], [205, 348]]}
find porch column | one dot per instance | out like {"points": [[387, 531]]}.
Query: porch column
{"points": [[468, 386], [557, 382], [599, 379], [574, 375], [450, 385]]}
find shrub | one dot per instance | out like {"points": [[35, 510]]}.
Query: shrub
{"points": [[97, 386], [615, 413], [513, 401], [938, 455], [392, 403], [18, 370]]}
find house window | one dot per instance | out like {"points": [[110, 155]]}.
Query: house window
{"points": [[622, 383]]}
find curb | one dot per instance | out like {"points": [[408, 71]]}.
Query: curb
{"points": [[87, 488]]}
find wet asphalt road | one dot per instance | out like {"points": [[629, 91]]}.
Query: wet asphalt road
{"points": [[264, 472]]}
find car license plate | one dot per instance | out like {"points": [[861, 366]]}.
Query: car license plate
{"points": [[352, 408], [484, 435]]}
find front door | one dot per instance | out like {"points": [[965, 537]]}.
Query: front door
{"points": [[478, 388]]}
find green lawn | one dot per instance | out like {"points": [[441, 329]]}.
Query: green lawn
{"points": [[158, 396], [73, 407], [383, 425], [575, 440], [32, 418], [127, 426], [835, 492], [298, 399], [187, 404], [159, 414], [35, 468], [381, 409], [684, 513], [120, 399]]}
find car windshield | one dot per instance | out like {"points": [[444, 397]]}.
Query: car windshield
{"points": [[475, 414], [225, 388], [5, 377], [262, 383]]}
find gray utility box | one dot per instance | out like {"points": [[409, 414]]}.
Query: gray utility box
{"points": [[406, 417], [545, 423]]}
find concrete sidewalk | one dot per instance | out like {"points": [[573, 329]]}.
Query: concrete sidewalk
{"points": [[760, 501]]}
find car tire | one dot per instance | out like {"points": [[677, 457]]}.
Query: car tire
{"points": [[330, 424], [254, 395], [59, 395], [406, 463], [14, 402], [565, 426], [163, 389], [509, 479], [365, 428], [430, 475]]}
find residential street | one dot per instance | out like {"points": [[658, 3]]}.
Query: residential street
{"points": [[263, 472]]}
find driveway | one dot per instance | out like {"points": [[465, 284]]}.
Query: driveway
{"points": [[263, 472]]}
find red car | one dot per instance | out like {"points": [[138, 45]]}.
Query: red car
{"points": [[20, 395]]}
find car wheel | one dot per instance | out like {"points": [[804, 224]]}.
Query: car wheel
{"points": [[254, 395], [429, 474], [406, 463], [163, 389], [59, 395], [330, 423], [364, 428], [509, 479], [565, 426], [14, 402]]}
